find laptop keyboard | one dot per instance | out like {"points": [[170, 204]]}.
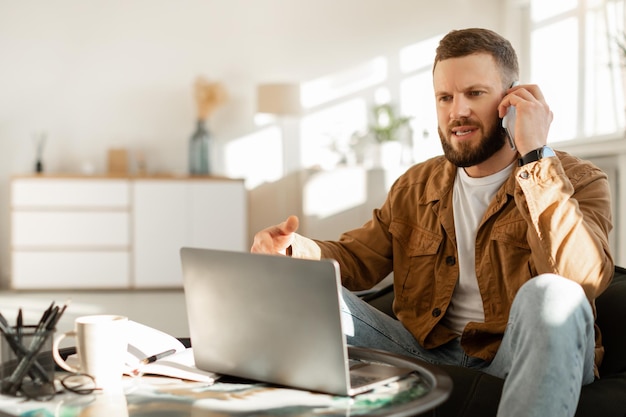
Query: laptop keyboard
{"points": [[356, 379], [361, 380], [365, 373], [353, 363]]}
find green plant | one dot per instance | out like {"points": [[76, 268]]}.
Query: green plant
{"points": [[387, 125]]}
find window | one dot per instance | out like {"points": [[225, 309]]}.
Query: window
{"points": [[417, 98], [574, 58]]}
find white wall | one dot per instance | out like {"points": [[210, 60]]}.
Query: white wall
{"points": [[110, 73]]}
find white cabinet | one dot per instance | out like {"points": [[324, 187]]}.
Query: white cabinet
{"points": [[102, 232], [78, 193], [170, 214], [71, 228], [70, 233]]}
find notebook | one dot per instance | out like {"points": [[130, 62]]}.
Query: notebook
{"points": [[273, 319]]}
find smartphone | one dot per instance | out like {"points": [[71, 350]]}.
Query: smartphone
{"points": [[508, 122]]}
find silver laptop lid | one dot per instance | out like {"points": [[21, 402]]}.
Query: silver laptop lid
{"points": [[268, 318]]}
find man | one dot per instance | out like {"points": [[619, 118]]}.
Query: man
{"points": [[498, 253]]}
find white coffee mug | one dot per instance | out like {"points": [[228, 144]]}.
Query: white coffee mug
{"points": [[101, 345]]}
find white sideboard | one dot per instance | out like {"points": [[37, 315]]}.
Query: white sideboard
{"points": [[112, 232]]}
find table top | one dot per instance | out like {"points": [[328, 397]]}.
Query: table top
{"points": [[420, 391]]}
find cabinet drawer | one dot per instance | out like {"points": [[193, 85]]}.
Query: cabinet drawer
{"points": [[80, 269], [60, 193], [67, 229]]}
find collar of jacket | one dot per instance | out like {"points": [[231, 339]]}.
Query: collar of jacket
{"points": [[441, 180]]}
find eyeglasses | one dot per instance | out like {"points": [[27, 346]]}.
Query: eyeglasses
{"points": [[77, 383]]}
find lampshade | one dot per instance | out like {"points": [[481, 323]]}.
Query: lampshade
{"points": [[279, 99]]}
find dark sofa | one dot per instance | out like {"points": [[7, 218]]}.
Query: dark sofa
{"points": [[477, 394]]}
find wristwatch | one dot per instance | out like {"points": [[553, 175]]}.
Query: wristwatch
{"points": [[535, 155]]}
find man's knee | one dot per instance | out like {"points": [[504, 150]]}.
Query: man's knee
{"points": [[554, 298]]}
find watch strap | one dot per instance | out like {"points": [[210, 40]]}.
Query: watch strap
{"points": [[535, 155]]}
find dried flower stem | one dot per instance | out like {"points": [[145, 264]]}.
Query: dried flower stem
{"points": [[209, 96]]}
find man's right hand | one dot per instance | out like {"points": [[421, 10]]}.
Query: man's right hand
{"points": [[276, 239]]}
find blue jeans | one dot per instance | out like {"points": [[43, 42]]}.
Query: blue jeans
{"points": [[546, 355]]}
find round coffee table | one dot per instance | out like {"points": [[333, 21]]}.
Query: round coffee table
{"points": [[420, 391]]}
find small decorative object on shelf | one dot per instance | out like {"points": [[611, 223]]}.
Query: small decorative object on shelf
{"points": [[40, 140], [199, 150], [208, 95]]}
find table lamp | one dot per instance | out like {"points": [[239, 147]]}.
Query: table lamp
{"points": [[281, 101]]}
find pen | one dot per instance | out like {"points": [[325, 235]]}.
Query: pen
{"points": [[45, 314], [19, 326], [158, 356]]}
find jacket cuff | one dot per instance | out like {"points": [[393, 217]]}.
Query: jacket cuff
{"points": [[303, 247]]}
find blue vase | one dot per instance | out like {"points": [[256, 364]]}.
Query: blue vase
{"points": [[199, 150]]}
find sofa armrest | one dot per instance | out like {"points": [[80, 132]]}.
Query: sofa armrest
{"points": [[611, 309]]}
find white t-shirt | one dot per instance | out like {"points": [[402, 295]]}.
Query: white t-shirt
{"points": [[471, 197]]}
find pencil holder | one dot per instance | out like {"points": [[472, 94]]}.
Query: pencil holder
{"points": [[27, 367]]}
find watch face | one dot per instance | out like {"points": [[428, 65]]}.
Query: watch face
{"points": [[547, 151]]}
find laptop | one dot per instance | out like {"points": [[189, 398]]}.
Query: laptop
{"points": [[273, 319]]}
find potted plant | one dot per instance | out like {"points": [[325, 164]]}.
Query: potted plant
{"points": [[391, 133], [387, 125]]}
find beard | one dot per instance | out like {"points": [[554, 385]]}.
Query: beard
{"points": [[468, 154]]}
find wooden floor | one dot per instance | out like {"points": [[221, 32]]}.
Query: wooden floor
{"points": [[161, 309]]}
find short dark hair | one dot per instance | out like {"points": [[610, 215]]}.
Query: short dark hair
{"points": [[460, 43]]}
